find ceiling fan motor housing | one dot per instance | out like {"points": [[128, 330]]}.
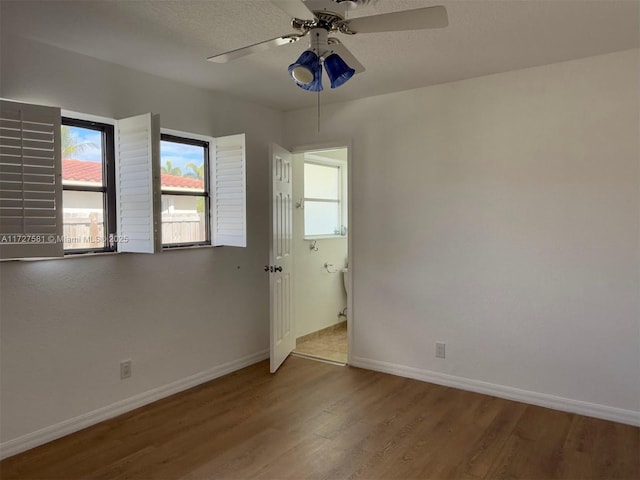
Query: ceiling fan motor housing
{"points": [[355, 3], [319, 41], [338, 8]]}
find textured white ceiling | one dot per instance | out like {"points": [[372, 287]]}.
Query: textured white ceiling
{"points": [[173, 39]]}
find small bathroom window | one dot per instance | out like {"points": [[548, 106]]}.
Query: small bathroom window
{"points": [[325, 175]]}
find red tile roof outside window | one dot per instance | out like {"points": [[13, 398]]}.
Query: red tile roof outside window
{"points": [[82, 171]]}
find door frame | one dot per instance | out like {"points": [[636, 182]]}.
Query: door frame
{"points": [[298, 149]]}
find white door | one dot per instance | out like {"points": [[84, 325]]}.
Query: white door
{"points": [[283, 338]]}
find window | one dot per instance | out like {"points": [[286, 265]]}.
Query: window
{"points": [[88, 191], [324, 187], [64, 182], [185, 191]]}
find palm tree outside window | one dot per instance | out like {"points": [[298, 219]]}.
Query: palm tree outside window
{"points": [[185, 191], [88, 191]]}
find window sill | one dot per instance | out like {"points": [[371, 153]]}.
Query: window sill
{"points": [[66, 256], [185, 247], [324, 237]]}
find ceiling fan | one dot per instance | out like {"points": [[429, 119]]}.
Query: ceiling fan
{"points": [[318, 19]]}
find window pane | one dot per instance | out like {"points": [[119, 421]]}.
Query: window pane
{"points": [[183, 219], [182, 166], [83, 219], [81, 156], [321, 218], [321, 181]]}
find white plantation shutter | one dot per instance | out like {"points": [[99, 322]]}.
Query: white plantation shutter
{"points": [[228, 192], [30, 181], [138, 184]]}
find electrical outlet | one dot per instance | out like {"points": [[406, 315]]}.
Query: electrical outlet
{"points": [[440, 349], [125, 369]]}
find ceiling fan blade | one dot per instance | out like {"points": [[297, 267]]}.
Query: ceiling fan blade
{"points": [[294, 8], [337, 47], [417, 19], [256, 47]]}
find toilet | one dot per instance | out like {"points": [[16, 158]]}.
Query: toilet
{"points": [[345, 279]]}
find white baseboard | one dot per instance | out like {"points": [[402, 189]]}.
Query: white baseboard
{"points": [[614, 414], [47, 434]]}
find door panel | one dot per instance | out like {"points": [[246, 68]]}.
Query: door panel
{"points": [[283, 338]]}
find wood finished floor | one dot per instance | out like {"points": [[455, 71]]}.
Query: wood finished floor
{"points": [[330, 344], [319, 421]]}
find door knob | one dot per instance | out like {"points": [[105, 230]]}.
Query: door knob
{"points": [[277, 269], [267, 268]]}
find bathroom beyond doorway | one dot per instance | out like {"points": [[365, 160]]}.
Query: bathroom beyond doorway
{"points": [[327, 344], [320, 249]]}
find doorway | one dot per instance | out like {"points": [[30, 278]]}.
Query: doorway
{"points": [[320, 249]]}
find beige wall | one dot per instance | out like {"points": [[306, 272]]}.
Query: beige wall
{"points": [[498, 214], [180, 315], [501, 215]]}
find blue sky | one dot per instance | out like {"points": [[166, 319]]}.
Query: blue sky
{"points": [[177, 153], [180, 154], [84, 135]]}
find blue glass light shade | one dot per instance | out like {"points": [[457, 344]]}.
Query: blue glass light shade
{"points": [[338, 71], [307, 71]]}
